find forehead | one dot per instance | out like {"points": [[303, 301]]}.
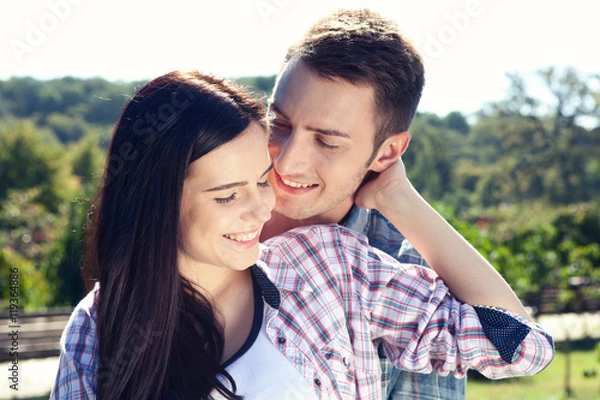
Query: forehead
{"points": [[239, 159], [302, 95]]}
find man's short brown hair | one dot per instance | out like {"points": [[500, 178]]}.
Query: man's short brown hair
{"points": [[363, 47]]}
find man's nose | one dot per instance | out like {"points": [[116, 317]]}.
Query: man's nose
{"points": [[291, 156]]}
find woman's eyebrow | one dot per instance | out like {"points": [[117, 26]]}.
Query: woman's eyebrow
{"points": [[267, 170], [235, 184]]}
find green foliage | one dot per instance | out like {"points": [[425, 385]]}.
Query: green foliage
{"points": [[539, 150], [429, 157], [68, 107], [33, 290], [94, 100], [27, 233], [65, 258], [87, 160], [27, 161], [26, 226], [261, 86], [457, 122], [67, 129], [536, 246], [44, 240]]}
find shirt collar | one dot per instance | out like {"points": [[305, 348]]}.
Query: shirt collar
{"points": [[278, 274], [357, 219], [268, 290]]}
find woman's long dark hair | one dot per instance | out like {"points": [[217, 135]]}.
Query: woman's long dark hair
{"points": [[157, 335]]}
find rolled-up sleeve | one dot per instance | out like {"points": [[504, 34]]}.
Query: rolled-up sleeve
{"points": [[423, 327]]}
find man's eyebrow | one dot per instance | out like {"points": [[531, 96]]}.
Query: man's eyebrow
{"points": [[274, 107], [328, 132], [235, 184]]}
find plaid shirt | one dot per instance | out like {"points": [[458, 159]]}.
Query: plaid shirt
{"points": [[382, 235], [399, 384], [330, 296]]}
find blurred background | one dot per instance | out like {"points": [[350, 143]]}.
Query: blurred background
{"points": [[506, 145]]}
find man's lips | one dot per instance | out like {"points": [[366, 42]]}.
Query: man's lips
{"points": [[291, 186]]}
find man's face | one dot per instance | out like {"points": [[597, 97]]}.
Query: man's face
{"points": [[322, 138]]}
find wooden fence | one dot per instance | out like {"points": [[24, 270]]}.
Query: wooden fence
{"points": [[33, 335]]}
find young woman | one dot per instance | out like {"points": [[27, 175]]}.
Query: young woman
{"points": [[182, 308]]}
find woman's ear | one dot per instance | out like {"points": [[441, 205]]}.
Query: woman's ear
{"points": [[390, 151]]}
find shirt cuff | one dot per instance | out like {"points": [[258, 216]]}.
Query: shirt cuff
{"points": [[504, 331]]}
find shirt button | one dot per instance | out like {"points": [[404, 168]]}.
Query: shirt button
{"points": [[346, 363], [281, 340], [317, 382]]}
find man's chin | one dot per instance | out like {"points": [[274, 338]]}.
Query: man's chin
{"points": [[292, 213], [322, 213]]}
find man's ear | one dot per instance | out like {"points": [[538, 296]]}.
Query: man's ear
{"points": [[390, 151]]}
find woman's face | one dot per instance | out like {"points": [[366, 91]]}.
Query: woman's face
{"points": [[225, 202]]}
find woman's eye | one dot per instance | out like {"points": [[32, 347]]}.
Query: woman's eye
{"points": [[225, 200], [264, 184]]}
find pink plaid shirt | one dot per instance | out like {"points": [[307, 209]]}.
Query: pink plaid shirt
{"points": [[331, 299]]}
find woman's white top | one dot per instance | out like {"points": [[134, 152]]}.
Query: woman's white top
{"points": [[264, 373], [260, 370]]}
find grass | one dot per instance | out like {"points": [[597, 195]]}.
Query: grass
{"points": [[37, 398], [548, 384]]}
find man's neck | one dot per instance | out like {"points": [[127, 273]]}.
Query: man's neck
{"points": [[279, 223]]}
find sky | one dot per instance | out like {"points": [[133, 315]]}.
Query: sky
{"points": [[468, 45]]}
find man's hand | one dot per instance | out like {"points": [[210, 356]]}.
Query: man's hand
{"points": [[470, 277], [384, 191]]}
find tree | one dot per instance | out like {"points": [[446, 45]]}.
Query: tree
{"points": [[28, 161], [456, 121], [429, 158], [87, 161], [27, 232], [63, 265], [542, 149]]}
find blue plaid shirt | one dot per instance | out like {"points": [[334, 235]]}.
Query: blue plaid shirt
{"points": [[329, 297]]}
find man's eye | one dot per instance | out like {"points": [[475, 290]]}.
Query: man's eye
{"points": [[225, 200], [264, 184], [279, 124], [326, 145]]}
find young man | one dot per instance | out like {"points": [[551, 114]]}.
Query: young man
{"points": [[340, 113]]}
